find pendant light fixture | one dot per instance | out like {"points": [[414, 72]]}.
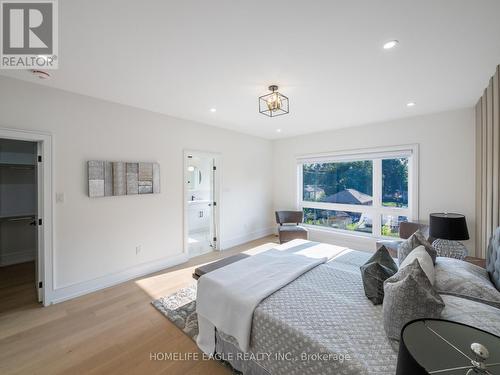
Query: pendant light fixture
{"points": [[273, 104]]}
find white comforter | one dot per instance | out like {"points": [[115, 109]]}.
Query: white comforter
{"points": [[227, 297]]}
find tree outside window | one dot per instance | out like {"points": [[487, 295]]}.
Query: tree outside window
{"points": [[368, 196]]}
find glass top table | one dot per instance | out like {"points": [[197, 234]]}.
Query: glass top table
{"points": [[435, 346]]}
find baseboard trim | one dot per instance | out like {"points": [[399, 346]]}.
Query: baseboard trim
{"points": [[235, 241], [16, 257], [65, 293]]}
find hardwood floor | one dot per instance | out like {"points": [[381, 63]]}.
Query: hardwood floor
{"points": [[112, 331], [17, 287]]}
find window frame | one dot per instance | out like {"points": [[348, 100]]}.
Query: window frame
{"points": [[376, 210]]}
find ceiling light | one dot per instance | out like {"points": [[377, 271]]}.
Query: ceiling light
{"points": [[278, 130], [273, 104], [410, 104], [213, 110], [391, 44]]}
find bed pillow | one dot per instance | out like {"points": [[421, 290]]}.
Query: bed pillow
{"points": [[375, 271], [409, 295], [424, 259], [472, 313], [415, 240], [462, 279]]}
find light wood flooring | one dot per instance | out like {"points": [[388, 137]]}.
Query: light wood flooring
{"points": [[17, 288], [112, 331]]}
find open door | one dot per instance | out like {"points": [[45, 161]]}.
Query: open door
{"points": [[201, 206], [213, 206], [38, 222]]}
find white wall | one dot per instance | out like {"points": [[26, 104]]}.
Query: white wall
{"points": [[446, 175], [95, 239]]}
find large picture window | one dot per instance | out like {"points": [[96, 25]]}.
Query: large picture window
{"points": [[369, 192]]}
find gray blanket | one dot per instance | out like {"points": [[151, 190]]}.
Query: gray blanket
{"points": [[321, 323]]}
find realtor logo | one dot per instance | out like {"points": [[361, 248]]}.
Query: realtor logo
{"points": [[29, 34]]}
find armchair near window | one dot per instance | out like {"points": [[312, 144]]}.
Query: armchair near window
{"points": [[289, 228]]}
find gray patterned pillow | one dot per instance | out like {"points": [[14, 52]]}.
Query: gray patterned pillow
{"points": [[375, 271], [462, 279], [424, 260], [409, 295], [416, 239]]}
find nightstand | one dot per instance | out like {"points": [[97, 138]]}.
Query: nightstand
{"points": [[477, 261], [436, 346]]}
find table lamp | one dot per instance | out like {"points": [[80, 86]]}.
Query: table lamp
{"points": [[449, 229]]}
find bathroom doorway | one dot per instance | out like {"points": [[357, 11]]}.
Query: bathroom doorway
{"points": [[201, 205]]}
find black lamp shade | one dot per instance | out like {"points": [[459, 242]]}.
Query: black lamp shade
{"points": [[448, 226]]}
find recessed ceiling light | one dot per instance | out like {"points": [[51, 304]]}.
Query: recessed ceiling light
{"points": [[278, 130], [213, 110], [391, 44], [410, 104]]}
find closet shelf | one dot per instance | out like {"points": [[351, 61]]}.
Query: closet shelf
{"points": [[18, 217], [17, 166]]}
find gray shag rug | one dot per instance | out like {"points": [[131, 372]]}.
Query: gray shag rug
{"points": [[180, 309]]}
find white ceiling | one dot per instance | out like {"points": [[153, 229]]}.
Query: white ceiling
{"points": [[184, 57]]}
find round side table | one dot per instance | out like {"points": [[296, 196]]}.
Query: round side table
{"points": [[436, 346]]}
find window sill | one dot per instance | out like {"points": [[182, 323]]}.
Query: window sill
{"points": [[346, 233], [338, 231]]}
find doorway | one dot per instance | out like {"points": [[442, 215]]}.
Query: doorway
{"points": [[18, 223], [200, 203], [16, 159]]}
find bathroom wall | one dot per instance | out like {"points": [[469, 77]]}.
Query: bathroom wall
{"points": [[201, 191]]}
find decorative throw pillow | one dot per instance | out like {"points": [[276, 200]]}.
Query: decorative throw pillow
{"points": [[462, 279], [415, 240], [375, 271], [409, 295], [424, 259]]}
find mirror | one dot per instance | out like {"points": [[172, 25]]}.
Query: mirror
{"points": [[194, 177]]}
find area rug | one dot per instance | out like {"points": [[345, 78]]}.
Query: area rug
{"points": [[180, 309]]}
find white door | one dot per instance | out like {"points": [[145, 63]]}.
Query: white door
{"points": [[213, 206], [200, 206], [38, 222]]}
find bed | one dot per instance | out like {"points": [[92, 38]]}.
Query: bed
{"points": [[322, 323]]}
